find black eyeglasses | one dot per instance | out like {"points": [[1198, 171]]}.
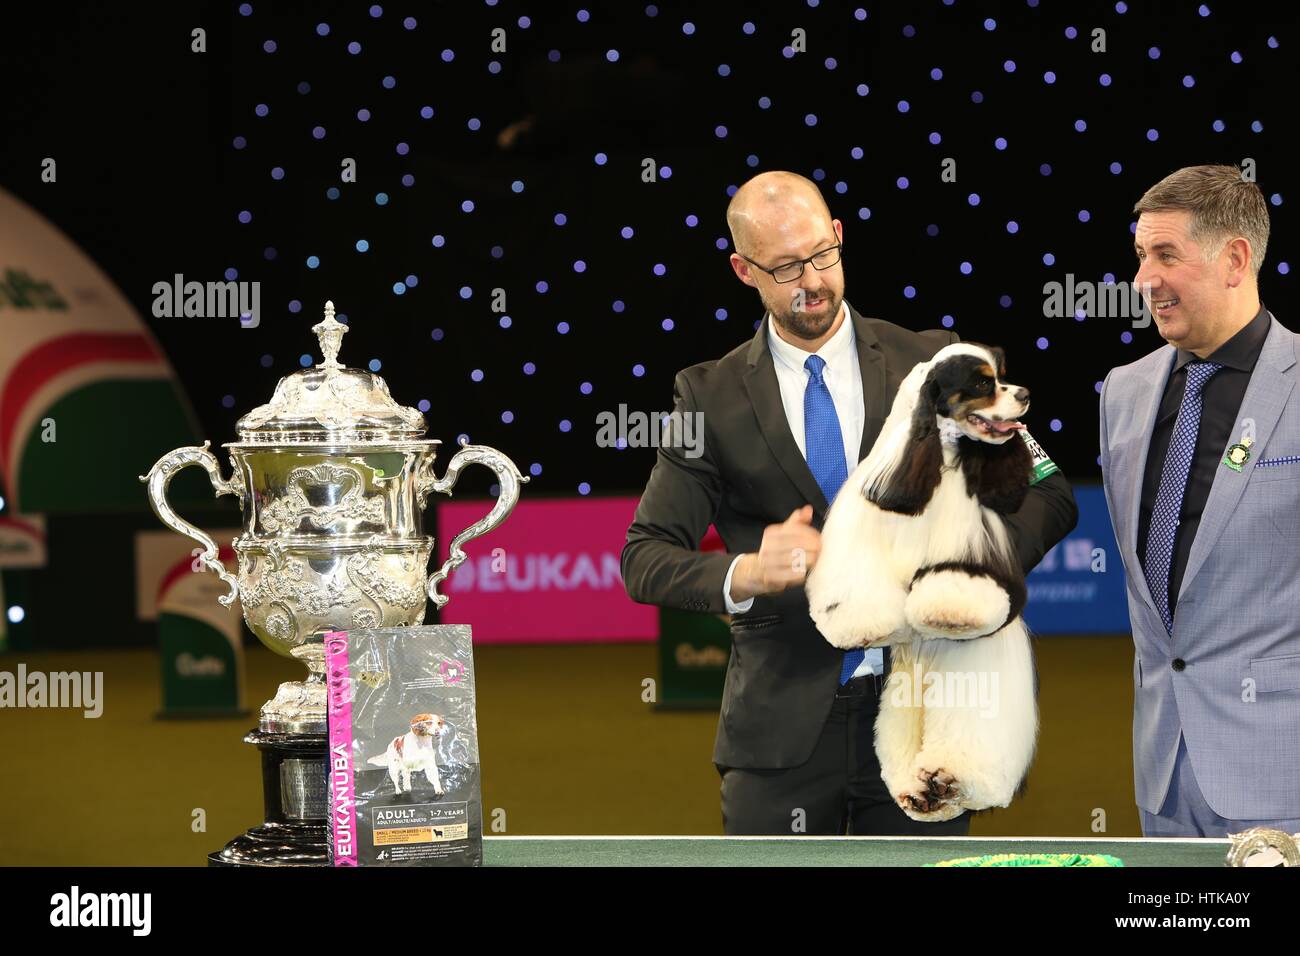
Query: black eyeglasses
{"points": [[789, 271]]}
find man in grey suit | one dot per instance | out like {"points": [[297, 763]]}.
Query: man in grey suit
{"points": [[787, 415], [1200, 457]]}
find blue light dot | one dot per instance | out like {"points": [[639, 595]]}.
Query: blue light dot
{"points": [[565, 425], [467, 206], [864, 213], [239, 142], [507, 416], [476, 375], [1045, 169], [901, 182], [1009, 66], [667, 325], [638, 370], [448, 56], [1004, 301], [990, 24], [426, 112], [720, 314], [1000, 143], [966, 268], [322, 29], [541, 286], [304, 360], [466, 292], [1189, 81], [354, 47], [1049, 77], [584, 488], [601, 159], [909, 292], [1104, 80], [1218, 126], [245, 216], [535, 469], [1283, 268], [585, 388], [437, 334], [381, 199], [362, 245], [579, 266], [1071, 33], [1126, 337], [1116, 168], [973, 199], [1153, 135], [399, 288], [659, 269], [562, 328], [389, 82], [1080, 125], [375, 365], [295, 306], [313, 262], [764, 102], [530, 368], [438, 241], [936, 74], [935, 139], [267, 361], [904, 106], [1236, 57], [1042, 342], [1084, 215], [932, 230]]}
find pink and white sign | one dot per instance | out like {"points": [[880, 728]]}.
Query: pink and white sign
{"points": [[549, 573]]}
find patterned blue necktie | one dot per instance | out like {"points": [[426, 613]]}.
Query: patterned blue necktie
{"points": [[824, 444], [1173, 482]]}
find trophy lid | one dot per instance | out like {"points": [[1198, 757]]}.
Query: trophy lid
{"points": [[331, 403]]}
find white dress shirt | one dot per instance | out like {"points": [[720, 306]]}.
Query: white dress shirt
{"points": [[844, 380]]}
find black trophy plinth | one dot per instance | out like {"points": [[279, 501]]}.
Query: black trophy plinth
{"points": [[294, 788]]}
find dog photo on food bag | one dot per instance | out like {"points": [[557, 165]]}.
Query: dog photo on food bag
{"points": [[916, 555]]}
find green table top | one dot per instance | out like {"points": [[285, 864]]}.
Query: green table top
{"points": [[828, 851]]}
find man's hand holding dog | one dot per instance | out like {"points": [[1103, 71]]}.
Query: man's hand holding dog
{"points": [[787, 553]]}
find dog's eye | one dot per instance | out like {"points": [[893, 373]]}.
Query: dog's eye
{"points": [[984, 386]]}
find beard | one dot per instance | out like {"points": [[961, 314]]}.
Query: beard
{"points": [[804, 324]]}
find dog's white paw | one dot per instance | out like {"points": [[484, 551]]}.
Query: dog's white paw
{"points": [[849, 624], [955, 605]]}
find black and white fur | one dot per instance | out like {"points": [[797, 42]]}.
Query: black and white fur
{"points": [[915, 555]]}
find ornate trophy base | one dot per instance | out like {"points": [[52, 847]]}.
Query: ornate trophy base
{"points": [[293, 788], [292, 736]]}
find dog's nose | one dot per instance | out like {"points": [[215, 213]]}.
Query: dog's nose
{"points": [[1022, 394]]}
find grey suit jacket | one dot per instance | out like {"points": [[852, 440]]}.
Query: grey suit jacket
{"points": [[1229, 677], [782, 674]]}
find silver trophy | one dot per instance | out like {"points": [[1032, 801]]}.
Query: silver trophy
{"points": [[332, 476]]}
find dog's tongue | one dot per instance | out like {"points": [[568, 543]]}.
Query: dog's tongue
{"points": [[1001, 427]]}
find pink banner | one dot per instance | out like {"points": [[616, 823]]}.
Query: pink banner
{"points": [[343, 809], [549, 573]]}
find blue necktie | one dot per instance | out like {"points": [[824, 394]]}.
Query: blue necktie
{"points": [[1173, 482], [825, 453]]}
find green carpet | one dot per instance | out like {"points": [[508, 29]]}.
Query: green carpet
{"points": [[568, 747]]}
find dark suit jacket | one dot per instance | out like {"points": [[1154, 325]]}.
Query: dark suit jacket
{"points": [[782, 674]]}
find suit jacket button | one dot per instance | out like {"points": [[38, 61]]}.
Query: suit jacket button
{"points": [[1179, 663]]}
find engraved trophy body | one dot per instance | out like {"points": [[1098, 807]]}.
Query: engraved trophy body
{"points": [[332, 476]]}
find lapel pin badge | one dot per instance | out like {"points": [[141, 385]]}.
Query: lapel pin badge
{"points": [[1238, 454]]}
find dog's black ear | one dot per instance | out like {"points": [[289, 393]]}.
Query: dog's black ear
{"points": [[997, 475], [909, 488]]}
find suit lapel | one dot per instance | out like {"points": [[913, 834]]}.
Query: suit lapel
{"points": [[1266, 397], [871, 363], [765, 396], [1143, 425]]}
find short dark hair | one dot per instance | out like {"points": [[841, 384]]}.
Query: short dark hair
{"points": [[1223, 206]]}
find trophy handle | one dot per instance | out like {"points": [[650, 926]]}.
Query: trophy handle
{"points": [[161, 475], [508, 477]]}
